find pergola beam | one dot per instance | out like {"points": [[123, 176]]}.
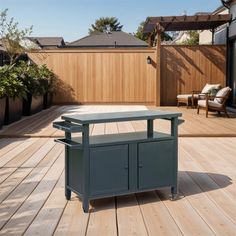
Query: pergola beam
{"points": [[181, 23]]}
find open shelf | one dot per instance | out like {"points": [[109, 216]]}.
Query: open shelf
{"points": [[134, 137]]}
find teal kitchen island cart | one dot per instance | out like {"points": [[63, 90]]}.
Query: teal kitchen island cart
{"points": [[116, 164]]}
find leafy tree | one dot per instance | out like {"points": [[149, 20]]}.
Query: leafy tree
{"points": [[103, 23], [140, 34], [11, 36], [143, 36], [193, 38]]}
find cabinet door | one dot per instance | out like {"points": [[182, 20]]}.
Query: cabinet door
{"points": [[156, 164], [108, 169]]}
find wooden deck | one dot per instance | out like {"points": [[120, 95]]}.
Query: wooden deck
{"points": [[32, 198], [40, 125]]}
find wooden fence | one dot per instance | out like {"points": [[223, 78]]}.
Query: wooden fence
{"points": [[102, 76], [122, 76]]}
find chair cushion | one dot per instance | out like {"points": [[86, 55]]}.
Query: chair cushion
{"points": [[211, 88], [222, 93], [202, 103], [187, 96]]}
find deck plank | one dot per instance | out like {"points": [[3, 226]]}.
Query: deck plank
{"points": [[73, 220], [12, 203], [156, 216], [48, 217], [5, 173], [10, 144], [12, 182], [16, 151], [102, 220], [26, 154], [185, 216], [22, 218], [212, 215], [39, 154], [129, 216]]}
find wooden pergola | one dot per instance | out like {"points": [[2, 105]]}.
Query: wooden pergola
{"points": [[154, 26]]}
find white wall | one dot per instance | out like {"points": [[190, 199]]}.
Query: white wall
{"points": [[205, 37]]}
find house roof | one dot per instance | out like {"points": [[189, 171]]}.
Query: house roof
{"points": [[181, 23], [108, 39], [219, 9], [47, 42]]}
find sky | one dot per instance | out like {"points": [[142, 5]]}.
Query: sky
{"points": [[71, 19]]}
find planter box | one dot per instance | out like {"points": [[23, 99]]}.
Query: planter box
{"points": [[32, 105], [2, 111], [13, 110], [47, 100]]}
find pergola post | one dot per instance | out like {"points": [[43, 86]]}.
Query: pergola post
{"points": [[213, 37], [159, 30]]}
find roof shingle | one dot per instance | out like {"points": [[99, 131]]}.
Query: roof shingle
{"points": [[110, 39]]}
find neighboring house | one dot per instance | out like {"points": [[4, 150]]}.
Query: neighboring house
{"points": [[45, 42], [220, 34], [29, 44], [114, 39], [181, 37]]}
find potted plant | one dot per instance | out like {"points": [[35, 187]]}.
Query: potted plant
{"points": [[15, 91], [29, 75], [48, 79], [2, 101]]}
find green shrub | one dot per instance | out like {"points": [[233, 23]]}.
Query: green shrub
{"points": [[10, 84], [48, 78], [19, 79], [38, 79]]}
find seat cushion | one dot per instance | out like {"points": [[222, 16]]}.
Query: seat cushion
{"points": [[211, 88], [202, 103], [222, 93], [187, 96]]}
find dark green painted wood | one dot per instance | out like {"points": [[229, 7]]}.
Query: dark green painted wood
{"points": [[128, 138], [75, 170], [174, 133], [67, 156], [133, 167], [67, 126], [155, 161], [86, 167], [70, 143], [109, 169], [120, 116], [150, 128]]}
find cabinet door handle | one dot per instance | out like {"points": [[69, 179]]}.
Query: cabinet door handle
{"points": [[126, 167], [140, 165]]}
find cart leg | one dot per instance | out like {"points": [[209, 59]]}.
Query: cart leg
{"points": [[174, 193], [67, 194], [86, 205], [67, 191]]}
